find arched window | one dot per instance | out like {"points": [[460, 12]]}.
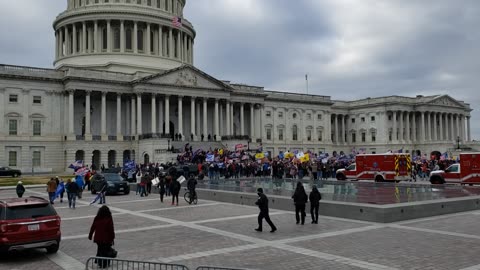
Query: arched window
{"points": [[295, 133], [104, 38], [140, 40], [128, 39], [149, 2], [116, 39], [139, 2]]}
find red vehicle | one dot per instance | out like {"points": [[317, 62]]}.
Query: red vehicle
{"points": [[27, 223], [465, 172], [378, 167]]}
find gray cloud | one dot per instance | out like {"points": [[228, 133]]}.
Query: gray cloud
{"points": [[350, 49]]}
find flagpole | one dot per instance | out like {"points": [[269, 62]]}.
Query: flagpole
{"points": [[306, 80]]}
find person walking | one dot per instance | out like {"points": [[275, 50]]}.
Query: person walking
{"points": [[60, 188], [103, 233], [315, 198], [161, 188], [191, 185], [72, 191], [262, 203], [300, 198], [138, 180], [175, 190], [80, 184], [20, 189], [51, 189]]}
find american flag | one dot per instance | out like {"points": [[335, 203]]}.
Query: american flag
{"points": [[177, 21]]}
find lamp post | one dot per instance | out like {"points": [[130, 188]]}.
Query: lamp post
{"points": [[458, 142]]}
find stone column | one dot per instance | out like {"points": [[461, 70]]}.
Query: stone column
{"points": [[457, 126], [109, 36], [167, 115], [434, 126], [179, 47], [242, 120], [198, 119], [429, 126], [180, 116], [139, 114], [135, 37], [252, 123], [335, 122], [205, 116], [154, 114], [133, 113], [215, 122], [189, 50], [469, 136], [452, 131], [228, 118], [84, 37], [447, 130], [57, 47], [408, 136], [232, 120], [61, 51], [343, 129], [71, 105], [160, 42], [65, 33], [192, 117], [440, 121], [149, 40], [88, 130], [119, 117], [402, 127], [95, 37], [422, 127], [170, 43], [161, 111], [74, 45], [3, 131], [414, 128], [462, 128], [394, 129], [122, 36], [184, 54], [103, 117], [222, 123]]}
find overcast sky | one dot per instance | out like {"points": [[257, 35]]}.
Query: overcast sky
{"points": [[349, 48]]}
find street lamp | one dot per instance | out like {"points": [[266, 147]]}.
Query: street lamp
{"points": [[458, 142]]}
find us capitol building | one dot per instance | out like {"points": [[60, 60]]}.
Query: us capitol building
{"points": [[124, 83]]}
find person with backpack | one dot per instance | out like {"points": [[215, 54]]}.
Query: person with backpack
{"points": [[300, 199], [315, 197]]}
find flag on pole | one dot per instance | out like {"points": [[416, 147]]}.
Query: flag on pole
{"points": [[177, 21], [76, 165]]}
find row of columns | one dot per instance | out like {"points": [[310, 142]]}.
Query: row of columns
{"points": [[82, 38], [168, 5], [136, 116], [339, 128], [434, 126]]}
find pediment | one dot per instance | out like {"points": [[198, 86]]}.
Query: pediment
{"points": [[188, 77], [445, 101]]}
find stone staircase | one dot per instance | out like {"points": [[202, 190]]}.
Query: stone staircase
{"points": [[197, 145]]}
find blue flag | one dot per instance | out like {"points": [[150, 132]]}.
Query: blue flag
{"points": [[129, 165]]}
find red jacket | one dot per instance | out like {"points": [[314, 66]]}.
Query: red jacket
{"points": [[103, 229]]}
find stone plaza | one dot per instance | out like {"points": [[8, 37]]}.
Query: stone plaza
{"points": [[221, 234]]}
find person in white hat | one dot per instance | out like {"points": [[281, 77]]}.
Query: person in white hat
{"points": [[20, 189]]}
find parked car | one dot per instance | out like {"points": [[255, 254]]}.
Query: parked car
{"points": [[27, 223], [116, 183], [6, 171]]}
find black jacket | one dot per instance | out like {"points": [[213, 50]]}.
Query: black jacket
{"points": [[300, 196], [20, 189], [191, 184], [161, 185], [175, 187], [315, 198], [72, 187], [262, 203]]}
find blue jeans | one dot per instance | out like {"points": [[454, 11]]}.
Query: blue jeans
{"points": [[319, 175], [72, 197], [51, 196], [102, 198]]}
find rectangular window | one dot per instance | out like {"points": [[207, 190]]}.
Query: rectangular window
{"points": [[12, 127], [280, 134], [374, 137], [319, 117], [37, 128], [12, 158], [320, 135], [363, 119], [309, 116], [280, 114], [364, 136], [269, 113], [309, 135], [372, 118], [149, 2], [13, 98], [269, 134], [389, 118], [390, 136], [353, 120], [37, 100], [354, 138], [36, 158]]}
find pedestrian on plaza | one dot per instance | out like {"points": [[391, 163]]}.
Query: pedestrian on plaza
{"points": [[175, 190], [51, 189], [191, 185], [262, 203], [20, 189], [80, 184], [138, 180], [168, 182], [315, 198], [143, 185], [161, 188], [72, 191], [103, 233], [100, 185], [149, 183], [60, 188], [300, 199]]}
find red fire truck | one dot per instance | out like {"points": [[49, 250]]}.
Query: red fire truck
{"points": [[465, 172], [378, 167]]}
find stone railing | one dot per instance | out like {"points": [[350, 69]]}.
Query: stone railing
{"points": [[235, 137], [30, 71]]}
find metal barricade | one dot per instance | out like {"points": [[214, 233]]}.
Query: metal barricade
{"points": [[216, 268], [117, 264]]}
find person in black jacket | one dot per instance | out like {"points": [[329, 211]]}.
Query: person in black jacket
{"points": [[72, 192], [175, 190], [300, 198], [161, 187], [262, 203], [20, 189], [315, 198]]}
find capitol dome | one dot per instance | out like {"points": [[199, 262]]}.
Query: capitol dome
{"points": [[123, 35]]}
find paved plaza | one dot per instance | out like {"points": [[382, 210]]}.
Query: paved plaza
{"points": [[221, 234]]}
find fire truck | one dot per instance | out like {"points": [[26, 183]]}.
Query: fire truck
{"points": [[465, 172], [378, 167]]}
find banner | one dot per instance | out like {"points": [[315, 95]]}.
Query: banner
{"points": [[210, 158], [220, 152], [289, 155], [82, 171], [181, 179], [76, 165], [299, 155], [259, 156], [129, 165], [281, 155], [305, 158], [155, 181]]}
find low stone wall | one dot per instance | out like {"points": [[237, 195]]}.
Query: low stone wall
{"points": [[359, 211]]}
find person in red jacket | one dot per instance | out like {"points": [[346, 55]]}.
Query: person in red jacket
{"points": [[103, 233]]}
